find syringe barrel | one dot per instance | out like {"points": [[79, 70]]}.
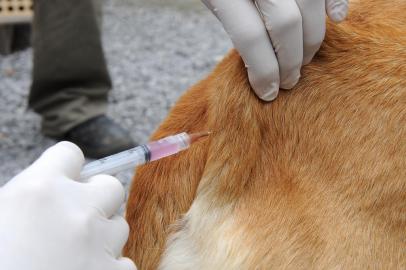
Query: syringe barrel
{"points": [[137, 156], [116, 163], [168, 146]]}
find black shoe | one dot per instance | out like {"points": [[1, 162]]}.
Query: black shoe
{"points": [[100, 137]]}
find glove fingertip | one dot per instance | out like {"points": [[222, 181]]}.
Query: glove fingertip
{"points": [[110, 184], [338, 16], [126, 264], [265, 85], [270, 93], [64, 158], [72, 147], [337, 10], [107, 193]]}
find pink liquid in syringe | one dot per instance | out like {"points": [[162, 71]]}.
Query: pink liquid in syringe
{"points": [[162, 149]]}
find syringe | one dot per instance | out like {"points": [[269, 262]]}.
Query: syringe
{"points": [[141, 154]]}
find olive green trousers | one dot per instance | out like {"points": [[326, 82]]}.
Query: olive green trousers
{"points": [[70, 80]]}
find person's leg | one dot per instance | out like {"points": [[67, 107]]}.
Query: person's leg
{"points": [[14, 37], [21, 37], [6, 39], [70, 77]]}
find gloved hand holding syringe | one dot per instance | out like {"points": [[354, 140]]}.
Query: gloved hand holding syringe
{"points": [[141, 154]]}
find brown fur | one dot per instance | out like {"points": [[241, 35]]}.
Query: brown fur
{"points": [[313, 180]]}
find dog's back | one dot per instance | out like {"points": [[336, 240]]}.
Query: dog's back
{"points": [[313, 180]]}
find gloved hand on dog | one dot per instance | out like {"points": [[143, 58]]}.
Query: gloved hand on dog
{"points": [[49, 221], [276, 37]]}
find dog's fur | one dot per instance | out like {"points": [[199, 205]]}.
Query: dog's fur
{"points": [[313, 180]]}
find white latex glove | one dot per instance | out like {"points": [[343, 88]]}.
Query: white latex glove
{"points": [[50, 222], [276, 37]]}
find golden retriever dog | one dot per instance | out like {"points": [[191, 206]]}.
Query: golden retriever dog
{"points": [[314, 180]]}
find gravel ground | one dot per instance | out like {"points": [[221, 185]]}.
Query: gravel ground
{"points": [[156, 49]]}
